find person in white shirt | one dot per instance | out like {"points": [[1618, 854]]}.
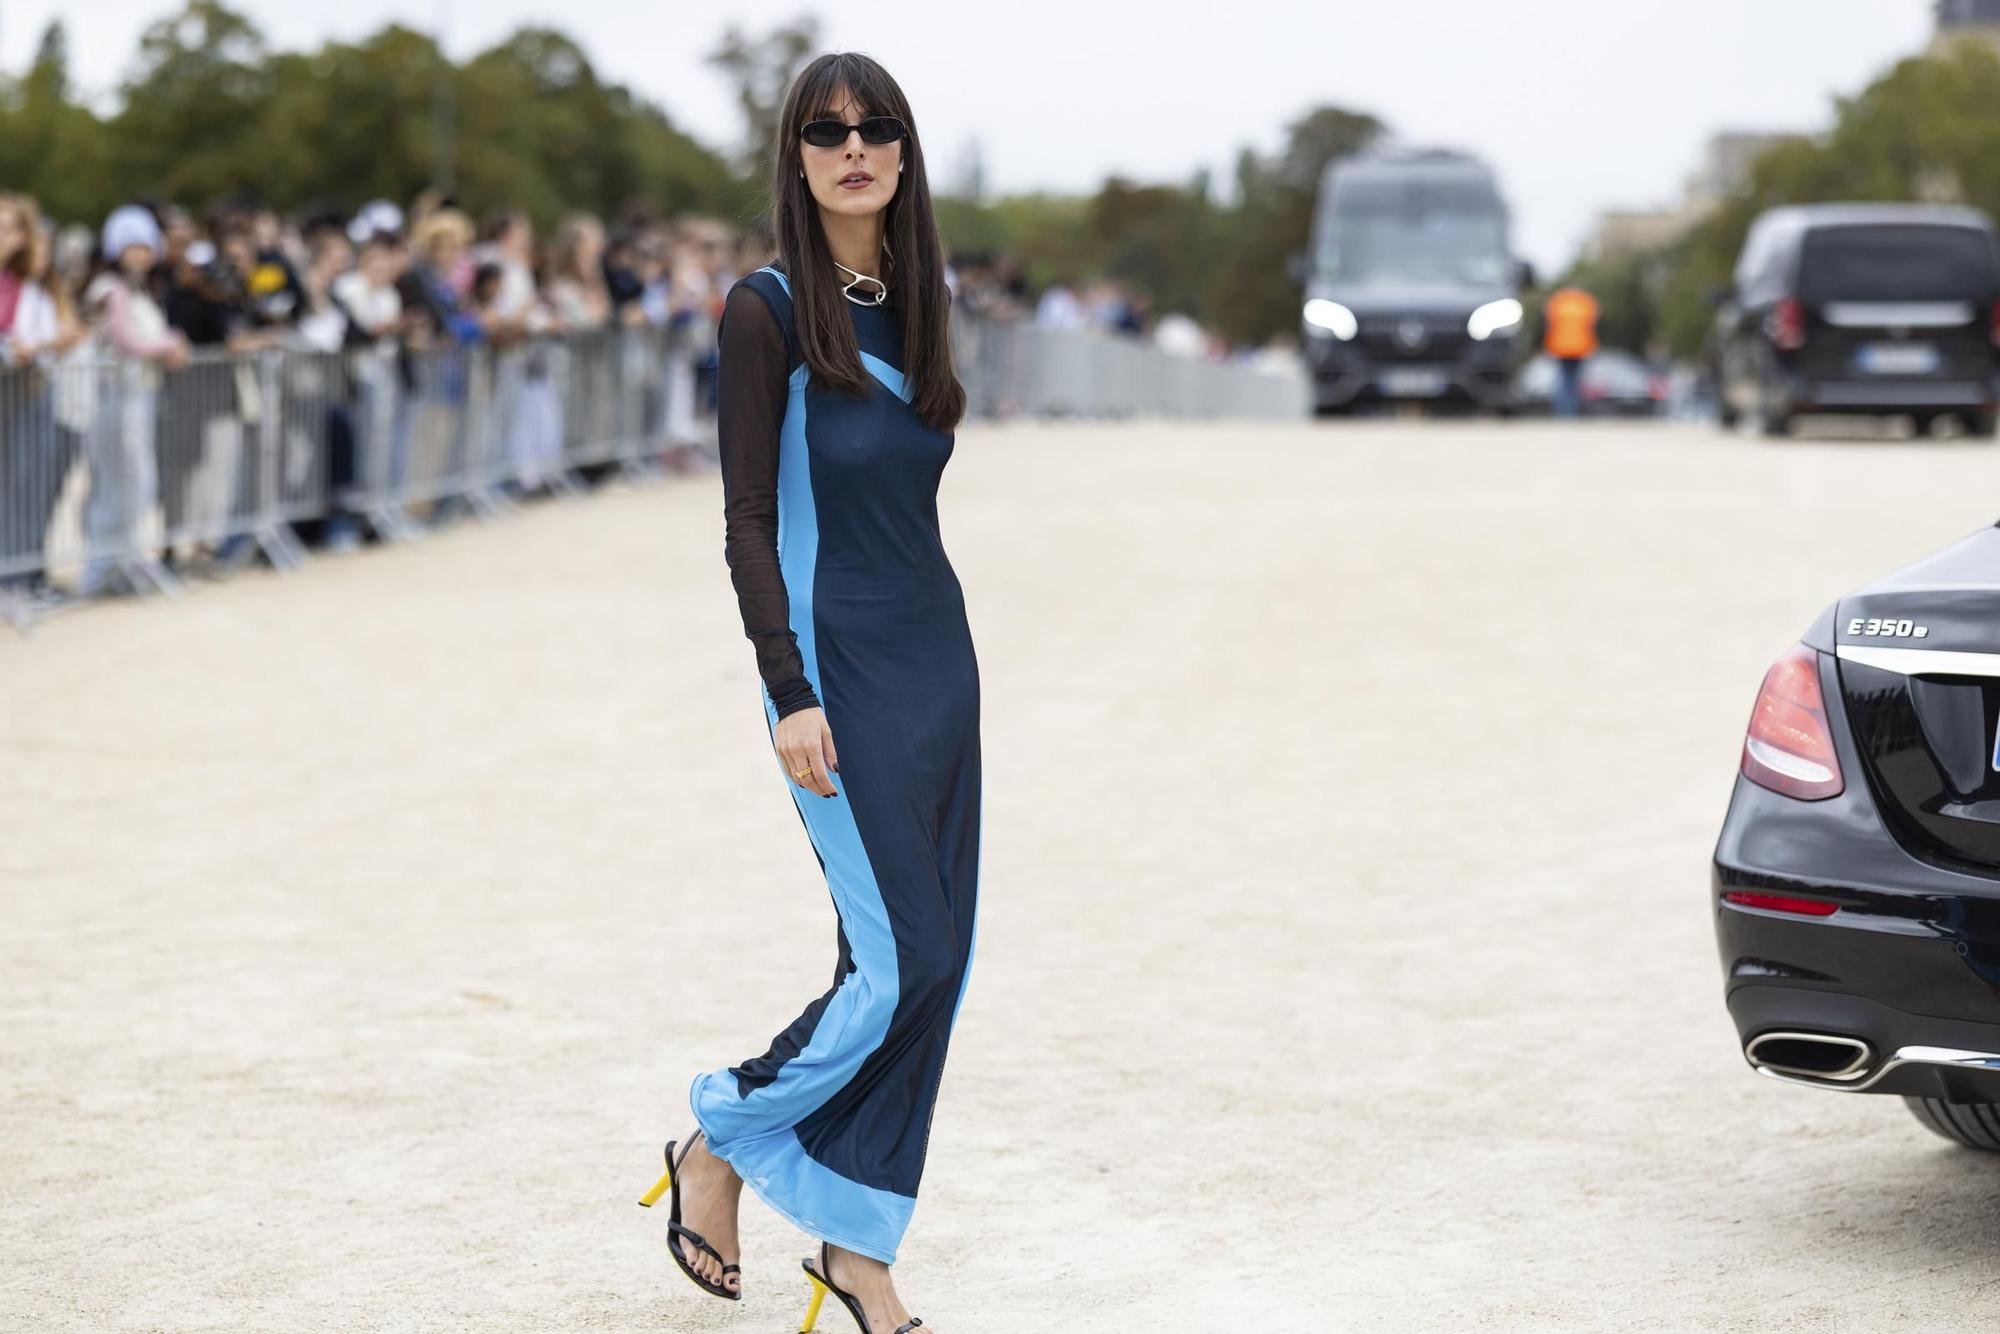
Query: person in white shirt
{"points": [[374, 307], [690, 330], [28, 324], [527, 405], [367, 292], [1059, 309]]}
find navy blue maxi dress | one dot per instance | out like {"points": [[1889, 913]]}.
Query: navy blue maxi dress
{"points": [[840, 573]]}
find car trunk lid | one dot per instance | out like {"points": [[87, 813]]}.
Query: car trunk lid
{"points": [[1900, 301], [1919, 669]]}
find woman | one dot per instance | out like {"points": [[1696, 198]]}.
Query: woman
{"points": [[446, 328], [123, 476], [589, 365], [527, 406], [31, 464], [45, 341], [690, 327], [837, 408], [368, 294], [576, 284], [325, 386]]}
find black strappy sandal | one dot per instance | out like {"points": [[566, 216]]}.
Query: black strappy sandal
{"points": [[822, 1284], [670, 1181]]}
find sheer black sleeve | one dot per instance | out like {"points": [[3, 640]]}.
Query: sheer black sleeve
{"points": [[752, 385]]}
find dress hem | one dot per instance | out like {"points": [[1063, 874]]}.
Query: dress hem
{"points": [[812, 1230]]}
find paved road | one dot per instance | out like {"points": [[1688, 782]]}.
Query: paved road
{"points": [[1345, 961]]}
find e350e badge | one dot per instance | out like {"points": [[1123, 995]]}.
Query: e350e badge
{"points": [[1891, 628]]}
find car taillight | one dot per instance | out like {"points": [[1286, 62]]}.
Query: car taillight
{"points": [[1788, 324], [1782, 903], [1789, 747]]}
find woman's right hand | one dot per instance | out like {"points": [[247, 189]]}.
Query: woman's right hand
{"points": [[803, 739]]}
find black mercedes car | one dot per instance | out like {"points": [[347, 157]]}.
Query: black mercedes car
{"points": [[1856, 884]]}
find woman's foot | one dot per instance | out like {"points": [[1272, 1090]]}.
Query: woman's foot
{"points": [[710, 1192], [871, 1285]]}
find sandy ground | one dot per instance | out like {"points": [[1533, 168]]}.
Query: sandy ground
{"points": [[1345, 959]]}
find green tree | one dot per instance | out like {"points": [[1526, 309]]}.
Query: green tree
{"points": [[193, 124], [1156, 238], [49, 145], [211, 114], [1251, 295], [357, 118], [762, 69]]}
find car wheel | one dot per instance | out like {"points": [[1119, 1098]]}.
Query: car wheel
{"points": [[1982, 425], [1976, 1125], [1771, 423], [1725, 416]]}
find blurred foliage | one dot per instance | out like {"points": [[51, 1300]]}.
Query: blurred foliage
{"points": [[1929, 130], [210, 115], [1251, 293], [761, 68]]}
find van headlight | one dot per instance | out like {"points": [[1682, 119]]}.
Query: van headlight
{"points": [[1494, 318], [1333, 317]]}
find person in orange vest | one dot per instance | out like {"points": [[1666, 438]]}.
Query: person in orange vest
{"points": [[1569, 335]]}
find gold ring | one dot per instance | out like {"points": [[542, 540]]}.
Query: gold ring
{"points": [[801, 773]]}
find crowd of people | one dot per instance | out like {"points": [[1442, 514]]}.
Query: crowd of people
{"points": [[123, 356], [156, 290]]}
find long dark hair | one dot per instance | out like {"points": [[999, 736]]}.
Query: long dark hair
{"points": [[913, 266]]}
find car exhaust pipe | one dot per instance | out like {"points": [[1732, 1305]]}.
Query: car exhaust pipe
{"points": [[1822, 1056]]}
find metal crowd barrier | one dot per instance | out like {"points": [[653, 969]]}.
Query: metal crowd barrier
{"points": [[1019, 369], [108, 465]]}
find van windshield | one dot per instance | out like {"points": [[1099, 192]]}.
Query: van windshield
{"points": [[1433, 248], [1903, 262], [1437, 232]]}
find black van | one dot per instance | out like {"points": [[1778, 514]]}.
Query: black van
{"points": [[1873, 308], [1412, 292]]}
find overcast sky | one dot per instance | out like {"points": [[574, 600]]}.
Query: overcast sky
{"points": [[1580, 104]]}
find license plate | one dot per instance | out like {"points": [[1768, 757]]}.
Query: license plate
{"points": [[1413, 382], [1897, 358]]}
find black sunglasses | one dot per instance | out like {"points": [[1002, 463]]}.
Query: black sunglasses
{"points": [[833, 133]]}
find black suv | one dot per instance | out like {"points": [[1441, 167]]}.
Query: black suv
{"points": [[1870, 308], [1856, 885]]}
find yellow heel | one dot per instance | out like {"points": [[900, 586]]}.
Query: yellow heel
{"points": [[652, 1197], [812, 1312], [676, 1234]]}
